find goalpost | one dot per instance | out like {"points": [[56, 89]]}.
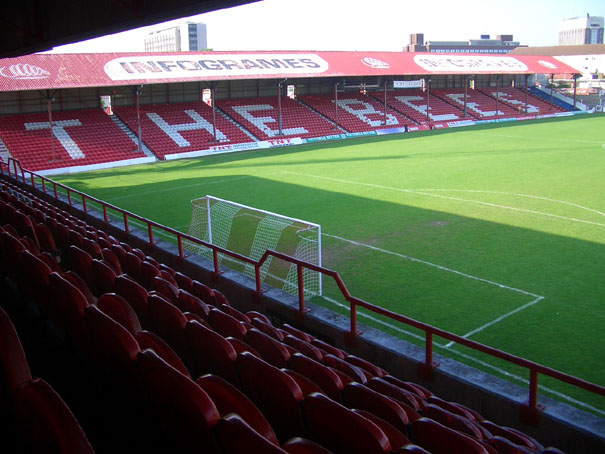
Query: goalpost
{"points": [[250, 231]]}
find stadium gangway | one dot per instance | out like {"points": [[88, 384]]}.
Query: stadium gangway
{"points": [[530, 410]]}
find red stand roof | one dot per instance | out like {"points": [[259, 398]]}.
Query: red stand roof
{"points": [[52, 71]]}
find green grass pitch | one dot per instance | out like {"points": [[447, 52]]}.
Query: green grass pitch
{"points": [[494, 232]]}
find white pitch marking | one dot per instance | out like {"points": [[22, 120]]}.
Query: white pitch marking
{"points": [[417, 192], [518, 195], [175, 188], [424, 262], [470, 358], [499, 319], [534, 138]]}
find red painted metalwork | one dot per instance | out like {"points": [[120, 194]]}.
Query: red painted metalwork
{"points": [[530, 411]]}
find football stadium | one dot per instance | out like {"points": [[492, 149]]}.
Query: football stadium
{"points": [[298, 252]]}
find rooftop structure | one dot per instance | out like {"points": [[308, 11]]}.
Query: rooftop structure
{"points": [[581, 30], [183, 37], [503, 44]]}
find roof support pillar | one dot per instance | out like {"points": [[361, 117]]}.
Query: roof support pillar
{"points": [[385, 102], [212, 86], [279, 84], [49, 99], [466, 81], [526, 91], [497, 93], [336, 103], [137, 92], [428, 94], [575, 86]]}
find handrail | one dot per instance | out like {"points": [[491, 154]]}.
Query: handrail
{"points": [[531, 409]]}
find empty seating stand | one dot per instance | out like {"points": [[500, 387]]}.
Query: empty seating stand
{"points": [[356, 112], [515, 97], [81, 137], [179, 128], [261, 117], [480, 105], [162, 362]]}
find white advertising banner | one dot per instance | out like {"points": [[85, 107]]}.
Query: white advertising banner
{"points": [[469, 64], [407, 83], [195, 66]]}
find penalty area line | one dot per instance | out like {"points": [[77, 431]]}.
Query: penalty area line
{"points": [[499, 319], [434, 265], [187, 186], [471, 358], [457, 199]]}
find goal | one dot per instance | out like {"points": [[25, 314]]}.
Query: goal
{"points": [[250, 232]]}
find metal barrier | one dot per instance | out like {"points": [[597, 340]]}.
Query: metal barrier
{"points": [[530, 410]]}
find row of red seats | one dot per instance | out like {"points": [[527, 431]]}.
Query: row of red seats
{"points": [[90, 137], [34, 417], [477, 103], [133, 360], [297, 119], [356, 112], [154, 328], [178, 120], [412, 103], [515, 98]]}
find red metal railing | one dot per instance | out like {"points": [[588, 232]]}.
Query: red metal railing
{"points": [[530, 410]]}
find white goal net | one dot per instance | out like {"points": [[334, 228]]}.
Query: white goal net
{"points": [[250, 232]]}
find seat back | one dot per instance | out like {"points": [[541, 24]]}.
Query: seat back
{"points": [[66, 306], [356, 395], [211, 352], [439, 439], [118, 309], [236, 436], [228, 399], [298, 445], [166, 289], [275, 393], [318, 373], [187, 413], [397, 438], [341, 430], [226, 324], [14, 369], [45, 421], [169, 323], [137, 297], [187, 302], [271, 350], [102, 277]]}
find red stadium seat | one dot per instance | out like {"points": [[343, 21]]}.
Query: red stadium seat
{"points": [[299, 445], [211, 352], [236, 436], [14, 369], [169, 323], [356, 395], [341, 430], [226, 324], [272, 351], [397, 438], [318, 373], [228, 399], [137, 297], [187, 413], [275, 394], [46, 423], [438, 439]]}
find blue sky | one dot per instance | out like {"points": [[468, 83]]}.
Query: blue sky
{"points": [[380, 25]]}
